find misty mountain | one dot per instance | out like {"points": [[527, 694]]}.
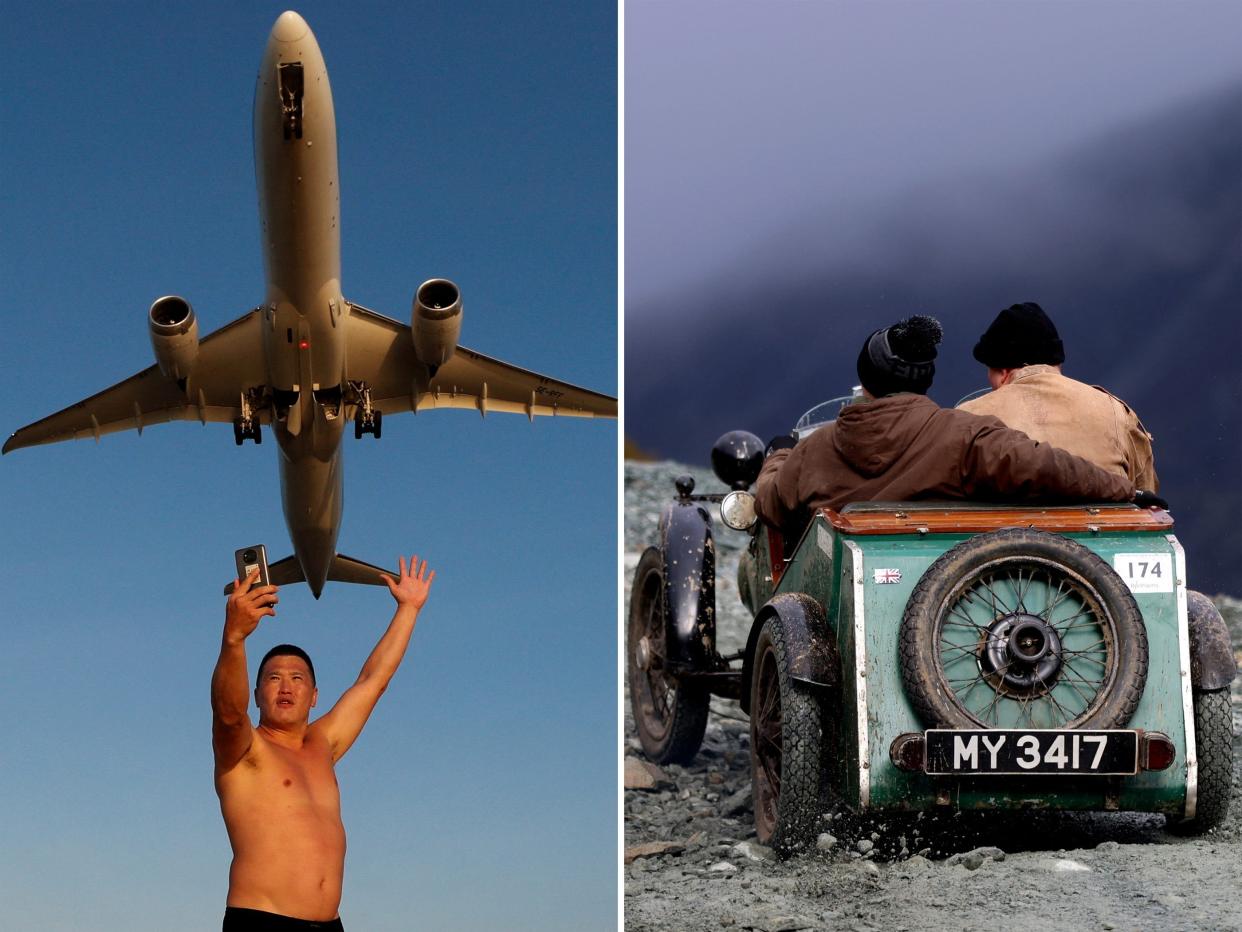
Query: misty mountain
{"points": [[1132, 242]]}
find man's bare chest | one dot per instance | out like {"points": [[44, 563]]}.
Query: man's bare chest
{"points": [[290, 779]]}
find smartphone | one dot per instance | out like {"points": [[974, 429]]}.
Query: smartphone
{"points": [[250, 557]]}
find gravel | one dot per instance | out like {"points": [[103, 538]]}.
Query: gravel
{"points": [[1038, 871]]}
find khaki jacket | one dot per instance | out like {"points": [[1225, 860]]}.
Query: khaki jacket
{"points": [[1083, 419], [905, 447]]}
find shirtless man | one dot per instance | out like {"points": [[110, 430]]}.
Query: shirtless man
{"points": [[276, 784]]}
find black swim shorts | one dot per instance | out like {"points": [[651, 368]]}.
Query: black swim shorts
{"points": [[237, 919]]}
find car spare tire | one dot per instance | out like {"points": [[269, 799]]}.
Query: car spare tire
{"points": [[1020, 628]]}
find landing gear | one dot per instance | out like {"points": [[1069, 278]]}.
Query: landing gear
{"points": [[247, 424], [367, 420], [368, 424], [246, 428]]}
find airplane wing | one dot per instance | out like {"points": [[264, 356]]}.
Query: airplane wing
{"points": [[381, 353], [230, 360]]}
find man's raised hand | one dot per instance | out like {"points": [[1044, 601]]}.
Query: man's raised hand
{"points": [[246, 606], [412, 588]]}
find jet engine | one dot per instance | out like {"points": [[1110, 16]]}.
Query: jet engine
{"points": [[174, 336], [436, 321]]}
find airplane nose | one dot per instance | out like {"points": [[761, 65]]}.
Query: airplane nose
{"points": [[289, 27]]}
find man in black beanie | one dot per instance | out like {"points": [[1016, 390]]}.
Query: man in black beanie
{"points": [[1023, 354], [899, 445]]}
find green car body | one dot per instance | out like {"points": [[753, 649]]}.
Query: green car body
{"points": [[863, 583], [921, 656]]}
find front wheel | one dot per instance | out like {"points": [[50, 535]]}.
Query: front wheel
{"points": [[786, 747], [670, 716], [1214, 750]]}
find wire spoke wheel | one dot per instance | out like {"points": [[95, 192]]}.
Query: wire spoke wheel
{"points": [[1213, 715], [786, 747], [670, 716], [1025, 644], [1023, 629], [765, 726]]}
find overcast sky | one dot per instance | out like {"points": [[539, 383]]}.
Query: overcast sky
{"points": [[741, 117]]}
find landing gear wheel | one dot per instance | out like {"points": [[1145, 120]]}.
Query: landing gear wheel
{"points": [[671, 716], [1214, 749], [1019, 628], [786, 747], [368, 424], [243, 430]]}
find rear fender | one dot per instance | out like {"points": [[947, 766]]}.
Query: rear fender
{"points": [[689, 554], [813, 656], [1211, 657]]}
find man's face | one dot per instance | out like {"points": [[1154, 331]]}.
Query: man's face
{"points": [[285, 694]]}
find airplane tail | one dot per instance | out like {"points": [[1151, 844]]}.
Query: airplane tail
{"points": [[281, 573], [343, 569], [347, 569]]}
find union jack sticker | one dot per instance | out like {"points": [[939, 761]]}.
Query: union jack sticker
{"points": [[885, 577]]}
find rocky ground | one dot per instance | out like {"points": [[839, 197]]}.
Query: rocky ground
{"points": [[693, 862]]}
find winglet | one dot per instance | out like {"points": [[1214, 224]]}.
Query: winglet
{"points": [[281, 573]]}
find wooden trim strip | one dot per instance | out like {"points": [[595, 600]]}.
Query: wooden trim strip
{"points": [[919, 519]]}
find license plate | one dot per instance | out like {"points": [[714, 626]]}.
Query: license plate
{"points": [[1000, 751]]}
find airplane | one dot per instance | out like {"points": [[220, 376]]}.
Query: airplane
{"points": [[308, 360]]}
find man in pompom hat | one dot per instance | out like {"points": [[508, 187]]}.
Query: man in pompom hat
{"points": [[1023, 354], [899, 445], [900, 358]]}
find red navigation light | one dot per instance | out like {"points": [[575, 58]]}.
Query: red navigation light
{"points": [[303, 344]]}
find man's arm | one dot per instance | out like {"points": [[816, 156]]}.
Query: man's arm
{"points": [[769, 502], [342, 725], [1008, 462], [231, 732], [1142, 463]]}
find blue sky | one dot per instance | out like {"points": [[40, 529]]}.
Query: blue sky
{"points": [[477, 143]]}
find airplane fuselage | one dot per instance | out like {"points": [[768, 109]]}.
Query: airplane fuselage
{"points": [[304, 311]]}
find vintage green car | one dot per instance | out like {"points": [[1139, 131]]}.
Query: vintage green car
{"points": [[933, 655]]}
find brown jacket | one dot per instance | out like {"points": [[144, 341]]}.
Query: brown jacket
{"points": [[1083, 419], [907, 447]]}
